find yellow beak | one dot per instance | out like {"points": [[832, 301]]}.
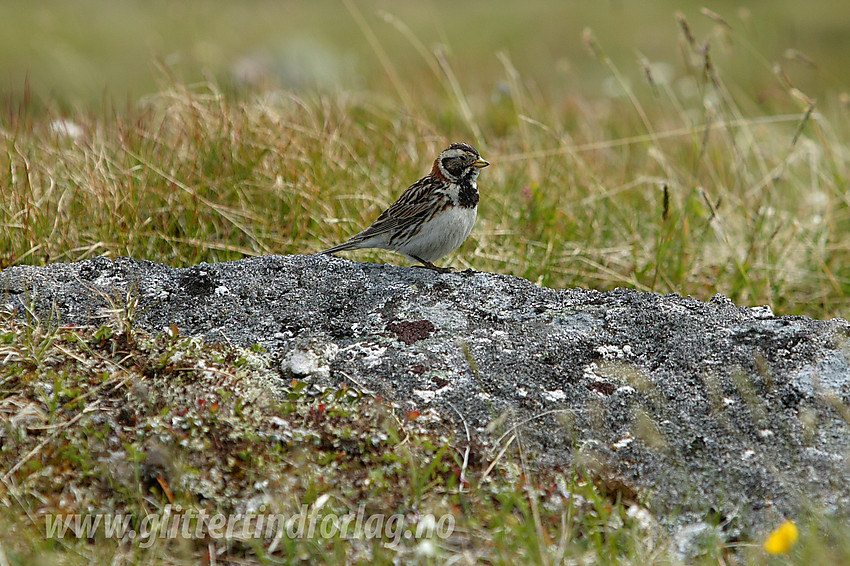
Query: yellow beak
{"points": [[480, 163]]}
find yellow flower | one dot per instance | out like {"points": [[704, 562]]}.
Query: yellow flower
{"points": [[782, 538]]}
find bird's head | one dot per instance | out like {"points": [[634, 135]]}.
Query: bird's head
{"points": [[458, 161]]}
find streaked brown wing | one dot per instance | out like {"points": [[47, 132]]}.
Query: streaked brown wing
{"points": [[416, 203]]}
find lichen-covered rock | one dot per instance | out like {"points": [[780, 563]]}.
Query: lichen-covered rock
{"points": [[713, 411]]}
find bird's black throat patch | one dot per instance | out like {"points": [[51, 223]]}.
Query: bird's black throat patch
{"points": [[467, 194]]}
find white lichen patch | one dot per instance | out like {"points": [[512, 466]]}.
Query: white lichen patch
{"points": [[277, 421], [311, 361], [373, 355], [430, 416], [762, 312], [642, 516], [591, 371], [617, 371], [555, 395], [302, 362], [425, 395], [108, 280], [613, 352], [204, 370]]}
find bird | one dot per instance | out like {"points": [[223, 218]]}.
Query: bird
{"points": [[433, 217]]}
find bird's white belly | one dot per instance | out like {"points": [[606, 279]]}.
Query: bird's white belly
{"points": [[444, 234]]}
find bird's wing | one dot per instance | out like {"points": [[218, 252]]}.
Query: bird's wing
{"points": [[418, 202]]}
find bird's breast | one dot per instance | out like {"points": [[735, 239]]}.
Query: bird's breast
{"points": [[443, 234], [467, 195]]}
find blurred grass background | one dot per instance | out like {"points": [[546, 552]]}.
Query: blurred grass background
{"points": [[77, 52], [694, 153]]}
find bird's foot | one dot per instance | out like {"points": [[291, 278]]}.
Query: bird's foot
{"points": [[431, 266]]}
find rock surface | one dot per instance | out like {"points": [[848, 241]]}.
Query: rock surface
{"points": [[714, 411]]}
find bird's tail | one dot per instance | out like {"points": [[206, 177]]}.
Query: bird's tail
{"points": [[349, 245]]}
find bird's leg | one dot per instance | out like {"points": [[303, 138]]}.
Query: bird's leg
{"points": [[431, 266]]}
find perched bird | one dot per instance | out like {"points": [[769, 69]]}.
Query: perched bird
{"points": [[434, 216]]}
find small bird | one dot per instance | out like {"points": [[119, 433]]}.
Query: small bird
{"points": [[434, 216]]}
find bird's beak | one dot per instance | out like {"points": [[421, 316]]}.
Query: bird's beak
{"points": [[480, 163]]}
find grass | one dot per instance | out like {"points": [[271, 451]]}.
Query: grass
{"points": [[699, 154]]}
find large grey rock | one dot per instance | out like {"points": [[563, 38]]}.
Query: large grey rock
{"points": [[713, 410]]}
